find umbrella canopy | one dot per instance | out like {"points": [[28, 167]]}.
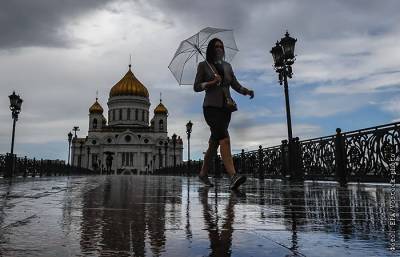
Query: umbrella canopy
{"points": [[191, 51]]}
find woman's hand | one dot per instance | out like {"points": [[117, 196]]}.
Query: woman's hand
{"points": [[250, 93], [217, 80]]}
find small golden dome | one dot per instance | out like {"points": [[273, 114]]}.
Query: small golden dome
{"points": [[129, 85], [96, 108], [160, 109]]}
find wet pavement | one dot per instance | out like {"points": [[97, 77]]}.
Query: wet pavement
{"points": [[174, 216]]}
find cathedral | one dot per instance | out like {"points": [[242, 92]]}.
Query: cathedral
{"points": [[127, 143]]}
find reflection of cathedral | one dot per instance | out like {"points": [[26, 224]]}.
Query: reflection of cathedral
{"points": [[136, 146], [128, 216]]}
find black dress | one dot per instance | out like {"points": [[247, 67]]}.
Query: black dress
{"points": [[218, 118]]}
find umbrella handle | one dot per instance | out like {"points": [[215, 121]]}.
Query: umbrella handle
{"points": [[215, 74], [209, 65]]}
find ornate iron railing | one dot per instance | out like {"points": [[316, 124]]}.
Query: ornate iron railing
{"points": [[360, 155], [26, 167], [318, 157], [368, 151]]}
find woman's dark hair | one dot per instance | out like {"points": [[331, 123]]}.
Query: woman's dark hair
{"points": [[210, 53]]}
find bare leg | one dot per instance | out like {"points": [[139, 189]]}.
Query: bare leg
{"points": [[227, 156], [211, 151]]}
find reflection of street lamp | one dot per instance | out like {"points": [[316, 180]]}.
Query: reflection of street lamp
{"points": [[153, 163], [69, 146], [15, 107], [283, 55], [189, 126], [174, 145]]}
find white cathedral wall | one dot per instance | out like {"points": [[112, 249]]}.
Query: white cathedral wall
{"points": [[123, 103], [137, 150]]}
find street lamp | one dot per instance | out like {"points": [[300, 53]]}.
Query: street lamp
{"points": [[159, 158], [100, 167], [284, 57], [166, 149], [88, 154], [109, 160], [69, 145], [80, 154], [75, 129], [15, 107], [174, 145], [189, 126]]}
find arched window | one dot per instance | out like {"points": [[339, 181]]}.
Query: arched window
{"points": [[120, 114], [161, 125], [94, 123], [136, 114], [129, 114]]}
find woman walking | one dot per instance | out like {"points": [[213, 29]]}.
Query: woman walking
{"points": [[215, 77]]}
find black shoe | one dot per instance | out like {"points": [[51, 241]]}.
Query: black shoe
{"points": [[236, 181], [205, 181]]}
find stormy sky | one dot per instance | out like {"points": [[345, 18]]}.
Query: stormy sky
{"points": [[57, 54]]}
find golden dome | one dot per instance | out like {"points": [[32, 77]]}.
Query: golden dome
{"points": [[96, 108], [160, 109], [129, 85]]}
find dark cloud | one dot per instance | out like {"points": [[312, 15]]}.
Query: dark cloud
{"points": [[41, 22], [339, 42], [315, 20]]}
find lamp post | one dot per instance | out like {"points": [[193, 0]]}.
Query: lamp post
{"points": [[100, 167], [88, 154], [73, 161], [174, 145], [109, 160], [80, 154], [189, 126], [166, 149], [159, 158], [69, 145], [75, 129], [15, 107], [283, 55]]}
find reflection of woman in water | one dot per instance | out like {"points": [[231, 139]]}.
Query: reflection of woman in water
{"points": [[216, 82], [220, 239]]}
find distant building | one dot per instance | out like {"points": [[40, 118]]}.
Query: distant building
{"points": [[136, 146]]}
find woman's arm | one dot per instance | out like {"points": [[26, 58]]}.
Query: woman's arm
{"points": [[238, 87], [199, 83]]}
